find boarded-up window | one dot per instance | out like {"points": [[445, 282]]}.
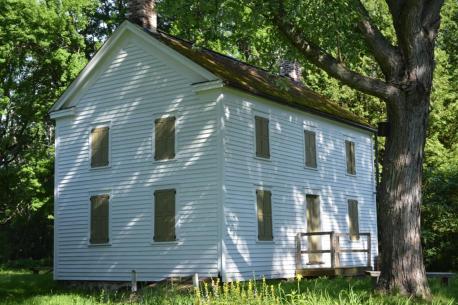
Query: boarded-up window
{"points": [[310, 148], [164, 215], [262, 137], [350, 153], [100, 146], [264, 211], [164, 138], [99, 219], [353, 220]]}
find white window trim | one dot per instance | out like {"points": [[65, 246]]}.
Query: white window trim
{"points": [[177, 215], [262, 187], [265, 115], [351, 139], [317, 134], [89, 213], [164, 115], [100, 125]]}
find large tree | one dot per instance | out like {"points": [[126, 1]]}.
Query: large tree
{"points": [[401, 79]]}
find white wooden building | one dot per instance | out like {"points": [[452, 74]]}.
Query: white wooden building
{"points": [[173, 160]]}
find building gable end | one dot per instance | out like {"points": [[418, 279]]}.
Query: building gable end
{"points": [[126, 34]]}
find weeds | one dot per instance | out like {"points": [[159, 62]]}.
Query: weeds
{"points": [[22, 288], [310, 292]]}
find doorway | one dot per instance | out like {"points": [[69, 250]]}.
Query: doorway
{"points": [[313, 225]]}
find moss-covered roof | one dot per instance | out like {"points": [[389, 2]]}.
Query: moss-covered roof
{"points": [[260, 82]]}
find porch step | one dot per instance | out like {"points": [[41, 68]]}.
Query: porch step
{"points": [[343, 271]]}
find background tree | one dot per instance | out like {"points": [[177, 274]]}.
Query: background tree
{"points": [[42, 50]]}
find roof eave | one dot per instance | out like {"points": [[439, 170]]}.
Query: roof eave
{"points": [[306, 109]]}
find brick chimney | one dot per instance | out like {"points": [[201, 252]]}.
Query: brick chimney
{"points": [[291, 69], [143, 13]]}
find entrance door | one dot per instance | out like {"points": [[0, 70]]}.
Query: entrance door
{"points": [[313, 225]]}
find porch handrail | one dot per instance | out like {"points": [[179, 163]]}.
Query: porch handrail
{"points": [[334, 249]]}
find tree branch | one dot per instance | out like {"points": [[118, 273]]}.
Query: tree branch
{"points": [[387, 55], [328, 63], [431, 17], [395, 7], [410, 22]]}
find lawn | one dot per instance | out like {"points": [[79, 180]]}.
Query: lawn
{"points": [[22, 287]]}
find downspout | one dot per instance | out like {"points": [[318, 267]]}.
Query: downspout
{"points": [[221, 216], [377, 169], [382, 131]]}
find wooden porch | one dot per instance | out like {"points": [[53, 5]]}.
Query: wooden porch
{"points": [[334, 266]]}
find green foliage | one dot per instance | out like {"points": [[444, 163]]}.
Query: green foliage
{"points": [[440, 221], [19, 287], [41, 52], [39, 57], [440, 204]]}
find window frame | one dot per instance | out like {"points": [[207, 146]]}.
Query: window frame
{"points": [[358, 203], [164, 115], [89, 213], [315, 131], [153, 215], [352, 140], [269, 189], [100, 125], [267, 116]]}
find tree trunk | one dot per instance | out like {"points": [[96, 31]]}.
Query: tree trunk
{"points": [[400, 196]]}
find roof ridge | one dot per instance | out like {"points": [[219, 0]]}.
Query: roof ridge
{"points": [[297, 83], [213, 51]]}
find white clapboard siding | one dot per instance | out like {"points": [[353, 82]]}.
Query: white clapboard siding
{"points": [[285, 175], [132, 90], [215, 166]]}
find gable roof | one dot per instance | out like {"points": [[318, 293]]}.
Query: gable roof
{"points": [[257, 81], [232, 72]]}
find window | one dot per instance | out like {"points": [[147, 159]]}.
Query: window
{"points": [[164, 139], [350, 154], [164, 215], [264, 213], [353, 221], [99, 219], [262, 137], [100, 146], [310, 148]]}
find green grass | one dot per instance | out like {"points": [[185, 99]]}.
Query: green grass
{"points": [[19, 287]]}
